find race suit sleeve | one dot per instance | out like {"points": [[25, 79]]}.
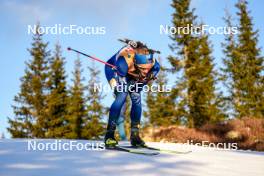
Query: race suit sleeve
{"points": [[155, 69], [121, 66]]}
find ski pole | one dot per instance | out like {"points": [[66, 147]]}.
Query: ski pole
{"points": [[99, 60], [94, 58]]}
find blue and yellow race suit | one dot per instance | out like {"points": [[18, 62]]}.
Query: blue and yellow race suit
{"points": [[129, 63]]}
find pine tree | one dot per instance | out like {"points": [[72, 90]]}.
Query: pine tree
{"points": [[196, 102], [93, 127], [230, 60], [76, 110], [206, 103], [243, 66], [57, 98], [29, 109]]}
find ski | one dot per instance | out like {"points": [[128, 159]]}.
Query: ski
{"points": [[167, 151], [160, 150], [139, 151]]}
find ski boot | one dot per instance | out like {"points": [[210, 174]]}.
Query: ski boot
{"points": [[110, 141], [135, 139]]}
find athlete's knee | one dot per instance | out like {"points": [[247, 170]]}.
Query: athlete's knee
{"points": [[115, 107], [118, 103], [136, 99]]}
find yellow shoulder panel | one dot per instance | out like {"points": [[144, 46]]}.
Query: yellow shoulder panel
{"points": [[129, 55]]}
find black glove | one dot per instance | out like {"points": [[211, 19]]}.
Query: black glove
{"points": [[151, 76]]}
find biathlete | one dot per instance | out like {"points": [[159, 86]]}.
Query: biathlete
{"points": [[135, 66]]}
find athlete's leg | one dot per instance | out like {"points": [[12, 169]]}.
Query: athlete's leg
{"points": [[136, 108], [121, 123], [116, 109], [135, 119], [114, 113]]}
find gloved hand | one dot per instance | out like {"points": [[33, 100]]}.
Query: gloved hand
{"points": [[122, 80], [113, 83], [151, 76], [147, 78]]}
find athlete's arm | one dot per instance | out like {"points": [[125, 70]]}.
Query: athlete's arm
{"points": [[154, 70], [121, 66]]}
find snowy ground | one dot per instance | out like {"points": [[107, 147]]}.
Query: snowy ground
{"points": [[16, 160]]}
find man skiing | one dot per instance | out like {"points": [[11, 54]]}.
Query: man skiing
{"points": [[134, 67]]}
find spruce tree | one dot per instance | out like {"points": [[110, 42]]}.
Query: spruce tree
{"points": [[229, 74], [196, 101], [93, 127], [243, 66], [57, 98], [29, 109], [206, 101], [76, 110]]}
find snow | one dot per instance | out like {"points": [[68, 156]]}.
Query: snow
{"points": [[17, 160]]}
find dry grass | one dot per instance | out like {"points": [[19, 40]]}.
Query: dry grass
{"points": [[248, 133]]}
